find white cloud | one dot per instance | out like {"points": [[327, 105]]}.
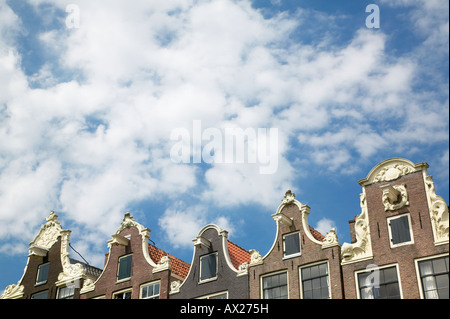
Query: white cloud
{"points": [[324, 225], [94, 143], [182, 224]]}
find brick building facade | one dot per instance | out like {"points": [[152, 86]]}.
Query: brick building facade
{"points": [[218, 269], [50, 273], [302, 263], [399, 249], [400, 239], [134, 269]]}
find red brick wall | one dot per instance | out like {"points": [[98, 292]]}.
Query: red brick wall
{"points": [[311, 253], [404, 256], [30, 276], [141, 272]]}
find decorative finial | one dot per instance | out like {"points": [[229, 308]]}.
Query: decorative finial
{"points": [[51, 217], [289, 197]]}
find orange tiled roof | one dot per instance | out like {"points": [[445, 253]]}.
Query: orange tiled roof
{"points": [[179, 266], [316, 234], [238, 255]]}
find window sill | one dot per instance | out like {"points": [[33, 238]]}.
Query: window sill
{"points": [[207, 280], [292, 256], [40, 283], [123, 280], [402, 244]]}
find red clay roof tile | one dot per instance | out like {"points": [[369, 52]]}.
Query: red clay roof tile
{"points": [[179, 266], [238, 255]]}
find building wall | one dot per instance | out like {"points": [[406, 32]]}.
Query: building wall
{"points": [[227, 279], [311, 253], [29, 279], [141, 273], [403, 256]]}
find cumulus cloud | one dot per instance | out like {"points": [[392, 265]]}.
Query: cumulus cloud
{"points": [[325, 225], [89, 132], [182, 223]]}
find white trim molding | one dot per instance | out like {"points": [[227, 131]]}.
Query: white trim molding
{"points": [[362, 248], [390, 170], [438, 212]]}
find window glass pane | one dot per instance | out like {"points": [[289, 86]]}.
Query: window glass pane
{"points": [[425, 267], [366, 293], [275, 286], [291, 244], [428, 283], [388, 275], [282, 279], [125, 264], [315, 286], [324, 281], [307, 285], [208, 267], [40, 295], [432, 294], [66, 292], [388, 285], [442, 281], [314, 271], [150, 291], [393, 291], [323, 269], [316, 294], [434, 275], [306, 273], [362, 279], [144, 293], [400, 230], [43, 273], [439, 266], [325, 294], [222, 296], [308, 294], [443, 293]]}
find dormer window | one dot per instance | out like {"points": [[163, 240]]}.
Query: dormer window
{"points": [[291, 245]]}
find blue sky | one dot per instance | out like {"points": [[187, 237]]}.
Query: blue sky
{"points": [[87, 111]]}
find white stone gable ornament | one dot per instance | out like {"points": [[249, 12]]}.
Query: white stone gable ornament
{"points": [[48, 235], [289, 197], [331, 239]]}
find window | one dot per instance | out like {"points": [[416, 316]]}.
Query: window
{"points": [[434, 278], [291, 245], [42, 275], [150, 291], [40, 295], [122, 295], [379, 284], [220, 295], [66, 292], [315, 282], [124, 271], [208, 267], [400, 230], [275, 286]]}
